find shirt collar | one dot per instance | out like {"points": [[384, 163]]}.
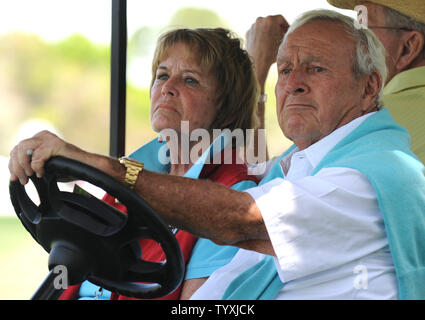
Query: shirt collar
{"points": [[404, 80]]}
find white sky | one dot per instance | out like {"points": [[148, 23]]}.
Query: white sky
{"points": [[56, 19]]}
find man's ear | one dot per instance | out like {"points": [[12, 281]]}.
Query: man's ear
{"points": [[372, 88], [413, 45]]}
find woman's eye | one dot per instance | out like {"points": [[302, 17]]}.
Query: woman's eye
{"points": [[285, 71], [191, 80]]}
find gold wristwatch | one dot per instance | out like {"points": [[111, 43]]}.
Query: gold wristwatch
{"points": [[133, 168]]}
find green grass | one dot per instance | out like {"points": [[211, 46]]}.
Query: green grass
{"points": [[23, 263], [12, 234]]}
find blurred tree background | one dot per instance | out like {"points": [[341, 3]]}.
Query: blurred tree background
{"points": [[66, 83]]}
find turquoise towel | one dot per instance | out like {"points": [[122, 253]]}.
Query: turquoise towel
{"points": [[246, 285]]}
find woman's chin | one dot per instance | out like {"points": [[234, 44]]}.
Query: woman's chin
{"points": [[164, 124]]}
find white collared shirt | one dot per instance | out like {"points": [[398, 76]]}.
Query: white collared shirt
{"points": [[327, 232]]}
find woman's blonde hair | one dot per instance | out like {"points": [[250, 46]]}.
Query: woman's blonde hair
{"points": [[221, 52]]}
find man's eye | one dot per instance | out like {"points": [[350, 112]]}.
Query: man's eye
{"points": [[162, 76], [285, 71], [318, 69]]}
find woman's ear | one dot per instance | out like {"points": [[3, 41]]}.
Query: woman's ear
{"points": [[413, 46], [372, 88]]}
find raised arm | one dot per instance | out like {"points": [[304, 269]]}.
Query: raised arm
{"points": [[262, 43]]}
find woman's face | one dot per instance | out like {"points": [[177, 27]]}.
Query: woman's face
{"points": [[182, 91]]}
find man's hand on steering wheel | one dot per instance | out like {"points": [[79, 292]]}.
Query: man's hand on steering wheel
{"points": [[29, 156]]}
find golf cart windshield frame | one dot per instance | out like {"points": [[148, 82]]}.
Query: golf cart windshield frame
{"points": [[118, 78]]}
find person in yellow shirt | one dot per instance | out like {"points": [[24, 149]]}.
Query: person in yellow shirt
{"points": [[400, 26]]}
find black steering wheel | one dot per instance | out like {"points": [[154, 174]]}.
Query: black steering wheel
{"points": [[95, 241]]}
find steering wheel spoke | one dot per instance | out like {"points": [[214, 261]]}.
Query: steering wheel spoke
{"points": [[147, 271], [91, 214]]}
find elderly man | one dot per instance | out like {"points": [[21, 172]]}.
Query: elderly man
{"points": [[400, 26], [331, 220], [302, 227]]}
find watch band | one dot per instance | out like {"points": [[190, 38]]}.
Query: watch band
{"points": [[133, 169]]}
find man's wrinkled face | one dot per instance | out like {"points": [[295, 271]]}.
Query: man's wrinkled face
{"points": [[316, 90]]}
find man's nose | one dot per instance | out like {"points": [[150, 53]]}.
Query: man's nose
{"points": [[296, 83]]}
